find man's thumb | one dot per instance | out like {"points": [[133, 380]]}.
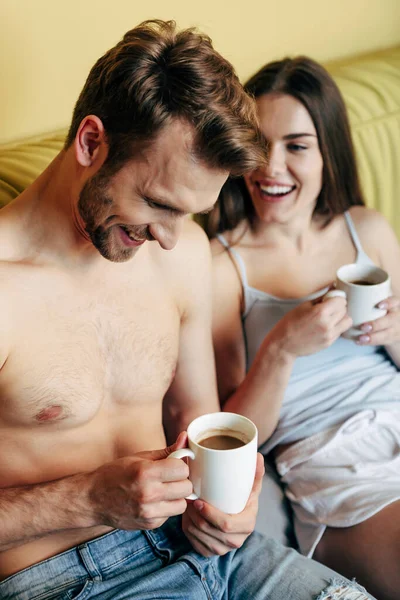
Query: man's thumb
{"points": [[181, 442]]}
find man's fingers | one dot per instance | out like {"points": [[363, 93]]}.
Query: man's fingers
{"points": [[171, 469], [213, 545], [181, 442], [208, 534], [211, 539], [240, 523], [170, 508], [258, 478], [198, 545], [177, 489]]}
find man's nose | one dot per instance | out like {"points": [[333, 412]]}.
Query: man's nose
{"points": [[167, 234]]}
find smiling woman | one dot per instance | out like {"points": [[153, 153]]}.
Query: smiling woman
{"points": [[283, 232], [294, 175], [319, 122]]}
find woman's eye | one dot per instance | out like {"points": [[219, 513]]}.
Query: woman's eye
{"points": [[297, 147]]}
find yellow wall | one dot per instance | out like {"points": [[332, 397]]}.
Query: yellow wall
{"points": [[48, 46]]}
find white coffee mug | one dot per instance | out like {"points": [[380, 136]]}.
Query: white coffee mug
{"points": [[223, 478], [362, 300]]}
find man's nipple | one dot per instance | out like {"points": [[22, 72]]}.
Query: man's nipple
{"points": [[49, 414]]}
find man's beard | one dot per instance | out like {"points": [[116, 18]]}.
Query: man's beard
{"points": [[95, 206]]}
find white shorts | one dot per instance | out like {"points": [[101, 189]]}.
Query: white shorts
{"points": [[342, 476]]}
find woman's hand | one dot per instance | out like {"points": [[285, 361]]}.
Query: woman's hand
{"points": [[311, 327], [385, 330]]}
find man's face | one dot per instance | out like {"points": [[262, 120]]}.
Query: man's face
{"points": [[148, 198]]}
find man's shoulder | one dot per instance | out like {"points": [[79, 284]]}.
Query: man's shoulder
{"points": [[194, 234], [188, 266], [193, 246]]}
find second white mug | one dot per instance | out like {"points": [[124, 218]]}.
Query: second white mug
{"points": [[364, 287]]}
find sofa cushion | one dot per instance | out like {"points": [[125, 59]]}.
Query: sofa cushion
{"points": [[21, 163], [370, 86]]}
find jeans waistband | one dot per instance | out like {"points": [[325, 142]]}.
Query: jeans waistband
{"points": [[106, 557], [93, 558]]}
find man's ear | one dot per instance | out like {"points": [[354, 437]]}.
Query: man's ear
{"points": [[90, 142]]}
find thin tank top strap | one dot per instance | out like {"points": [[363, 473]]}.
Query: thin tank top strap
{"points": [[237, 258], [362, 257], [239, 263]]}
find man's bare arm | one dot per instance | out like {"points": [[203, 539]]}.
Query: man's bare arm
{"points": [[138, 492], [194, 390], [33, 511]]}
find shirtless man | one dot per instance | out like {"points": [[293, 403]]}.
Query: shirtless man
{"points": [[104, 336]]}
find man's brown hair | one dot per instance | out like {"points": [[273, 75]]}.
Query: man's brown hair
{"points": [[156, 74]]}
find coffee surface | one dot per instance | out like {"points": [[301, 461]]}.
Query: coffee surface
{"points": [[362, 282], [221, 442]]}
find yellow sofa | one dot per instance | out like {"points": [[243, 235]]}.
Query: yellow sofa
{"points": [[371, 88]]}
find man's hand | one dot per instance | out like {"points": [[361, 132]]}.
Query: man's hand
{"points": [[141, 491], [212, 532]]}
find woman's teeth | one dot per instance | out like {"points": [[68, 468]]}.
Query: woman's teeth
{"points": [[276, 190]]}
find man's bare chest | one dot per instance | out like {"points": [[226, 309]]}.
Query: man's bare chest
{"points": [[72, 355]]}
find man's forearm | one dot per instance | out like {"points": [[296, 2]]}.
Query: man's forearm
{"points": [[30, 512]]}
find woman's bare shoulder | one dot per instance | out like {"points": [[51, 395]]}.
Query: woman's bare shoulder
{"points": [[366, 218], [375, 232], [232, 238]]}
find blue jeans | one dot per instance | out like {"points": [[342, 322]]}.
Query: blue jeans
{"points": [[161, 565]]}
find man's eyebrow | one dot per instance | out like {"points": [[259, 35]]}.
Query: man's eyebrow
{"points": [[292, 136]]}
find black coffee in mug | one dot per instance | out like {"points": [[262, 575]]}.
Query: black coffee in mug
{"points": [[362, 282], [221, 441]]}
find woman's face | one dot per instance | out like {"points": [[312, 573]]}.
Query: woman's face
{"points": [[288, 187]]}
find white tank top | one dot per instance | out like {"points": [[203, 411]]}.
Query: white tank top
{"points": [[329, 386]]}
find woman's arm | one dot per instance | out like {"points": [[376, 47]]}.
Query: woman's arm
{"points": [[304, 330]]}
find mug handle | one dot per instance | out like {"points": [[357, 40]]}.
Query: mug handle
{"points": [[182, 453], [334, 294]]}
